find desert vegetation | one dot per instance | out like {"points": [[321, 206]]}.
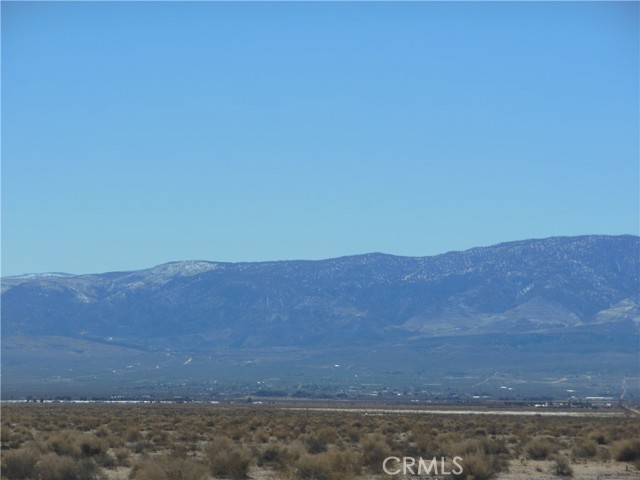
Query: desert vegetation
{"points": [[198, 442]]}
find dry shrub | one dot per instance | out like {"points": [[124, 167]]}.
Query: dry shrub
{"points": [[448, 438], [627, 450], [561, 466], [228, 460], [280, 458], [20, 464], [476, 467], [346, 463], [236, 432], [179, 450], [271, 455], [17, 437], [88, 423], [5, 434], [374, 450], [604, 455], [599, 437], [427, 446], [92, 446], [261, 435], [105, 460], [232, 464], [483, 445], [132, 435], [327, 466], [143, 446], [350, 441], [77, 445], [281, 432], [255, 422], [584, 448], [484, 454], [122, 456], [65, 443], [313, 467], [296, 449], [148, 469], [316, 444], [539, 448], [168, 468], [56, 467], [353, 433], [102, 431], [328, 435]]}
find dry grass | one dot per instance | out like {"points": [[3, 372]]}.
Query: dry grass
{"points": [[175, 442], [166, 467]]}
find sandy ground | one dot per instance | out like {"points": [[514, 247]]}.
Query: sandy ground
{"points": [[531, 470], [542, 470]]}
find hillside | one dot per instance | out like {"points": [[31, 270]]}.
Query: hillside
{"points": [[556, 286]]}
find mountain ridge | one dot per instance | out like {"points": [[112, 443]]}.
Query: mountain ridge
{"points": [[510, 243], [565, 306], [580, 276]]}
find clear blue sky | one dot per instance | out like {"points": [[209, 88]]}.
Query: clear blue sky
{"points": [[139, 133]]}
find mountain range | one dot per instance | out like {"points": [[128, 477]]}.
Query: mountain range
{"points": [[556, 288]]}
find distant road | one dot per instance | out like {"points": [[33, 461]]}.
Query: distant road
{"points": [[524, 413], [623, 405], [630, 409]]}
